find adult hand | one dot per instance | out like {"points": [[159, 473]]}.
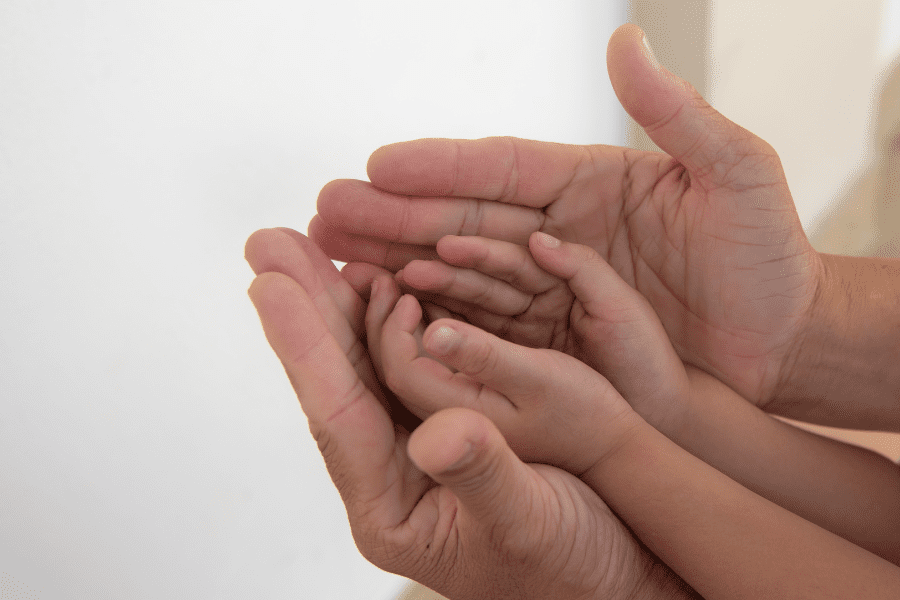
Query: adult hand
{"points": [[450, 505], [707, 232]]}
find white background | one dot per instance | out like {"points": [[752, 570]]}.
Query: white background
{"points": [[150, 446]]}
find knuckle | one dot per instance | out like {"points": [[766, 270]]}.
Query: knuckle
{"points": [[480, 359], [586, 254]]}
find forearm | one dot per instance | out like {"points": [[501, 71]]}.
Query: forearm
{"points": [[844, 369], [723, 539], [850, 491], [661, 582]]}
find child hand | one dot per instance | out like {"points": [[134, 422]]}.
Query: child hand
{"points": [[565, 296], [551, 407]]}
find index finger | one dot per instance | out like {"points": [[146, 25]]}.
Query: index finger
{"points": [[503, 169]]}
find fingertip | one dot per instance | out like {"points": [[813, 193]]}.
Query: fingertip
{"points": [[441, 337], [447, 244], [425, 167], [551, 254], [384, 289], [647, 91], [317, 230], [268, 287], [448, 440], [252, 246], [625, 34], [376, 159], [407, 312], [422, 275], [545, 240], [263, 248]]}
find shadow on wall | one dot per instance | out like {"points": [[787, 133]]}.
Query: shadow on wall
{"points": [[865, 220]]}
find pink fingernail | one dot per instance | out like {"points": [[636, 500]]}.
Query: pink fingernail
{"points": [[648, 52], [443, 340], [547, 240]]}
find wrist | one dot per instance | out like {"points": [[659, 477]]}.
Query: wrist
{"points": [[616, 458], [800, 361], [841, 370]]}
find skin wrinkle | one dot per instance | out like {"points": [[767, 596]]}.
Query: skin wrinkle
{"points": [[511, 188], [673, 295], [702, 175], [456, 169], [674, 211], [781, 259], [742, 157], [638, 253], [468, 221], [737, 243], [403, 223], [357, 393], [662, 122], [585, 153]]}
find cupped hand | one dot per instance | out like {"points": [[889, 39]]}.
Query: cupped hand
{"points": [[706, 231], [449, 505], [550, 407]]}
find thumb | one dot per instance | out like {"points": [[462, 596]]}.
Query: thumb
{"points": [[462, 450], [674, 115]]}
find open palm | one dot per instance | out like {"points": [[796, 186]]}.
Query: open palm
{"points": [[707, 231]]}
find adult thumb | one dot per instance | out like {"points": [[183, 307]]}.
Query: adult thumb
{"points": [[462, 450], [674, 115]]}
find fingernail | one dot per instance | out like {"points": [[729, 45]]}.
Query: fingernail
{"points": [[443, 341], [547, 240], [650, 53], [464, 458]]}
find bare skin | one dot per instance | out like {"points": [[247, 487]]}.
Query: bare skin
{"points": [[476, 525], [847, 490], [722, 538], [708, 232]]}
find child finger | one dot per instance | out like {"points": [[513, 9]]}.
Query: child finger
{"points": [[465, 285], [382, 299], [424, 384], [531, 332], [593, 281], [515, 371], [359, 277], [503, 260]]}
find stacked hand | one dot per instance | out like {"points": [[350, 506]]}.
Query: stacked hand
{"points": [[451, 505], [707, 232], [703, 247]]}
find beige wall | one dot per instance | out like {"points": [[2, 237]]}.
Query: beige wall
{"points": [[801, 76]]}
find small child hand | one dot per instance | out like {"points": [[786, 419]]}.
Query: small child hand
{"points": [[573, 301], [551, 407]]}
